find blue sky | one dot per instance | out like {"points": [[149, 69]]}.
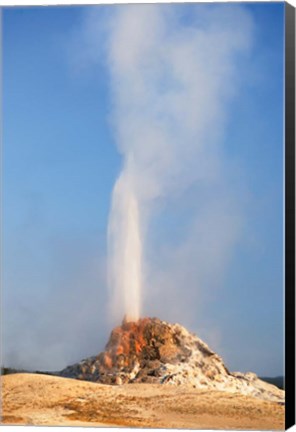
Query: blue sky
{"points": [[60, 162]]}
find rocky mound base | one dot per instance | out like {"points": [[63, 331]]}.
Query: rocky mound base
{"points": [[154, 351]]}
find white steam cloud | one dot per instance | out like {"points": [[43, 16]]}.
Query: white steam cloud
{"points": [[171, 78]]}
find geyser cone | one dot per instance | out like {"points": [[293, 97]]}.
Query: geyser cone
{"points": [[153, 351]]}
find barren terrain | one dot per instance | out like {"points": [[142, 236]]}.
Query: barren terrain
{"points": [[33, 399]]}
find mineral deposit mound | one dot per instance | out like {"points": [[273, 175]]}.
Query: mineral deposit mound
{"points": [[154, 351]]}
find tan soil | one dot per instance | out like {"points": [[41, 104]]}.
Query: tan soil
{"points": [[33, 399]]}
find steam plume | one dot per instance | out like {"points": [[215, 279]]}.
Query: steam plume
{"points": [[171, 78]]}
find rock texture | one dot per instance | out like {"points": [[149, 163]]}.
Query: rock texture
{"points": [[154, 351]]}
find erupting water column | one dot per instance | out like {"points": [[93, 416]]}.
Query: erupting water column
{"points": [[169, 107], [124, 247]]}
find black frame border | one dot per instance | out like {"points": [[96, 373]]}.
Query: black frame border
{"points": [[289, 215]]}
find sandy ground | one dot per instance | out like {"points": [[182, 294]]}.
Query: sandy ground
{"points": [[31, 399]]}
